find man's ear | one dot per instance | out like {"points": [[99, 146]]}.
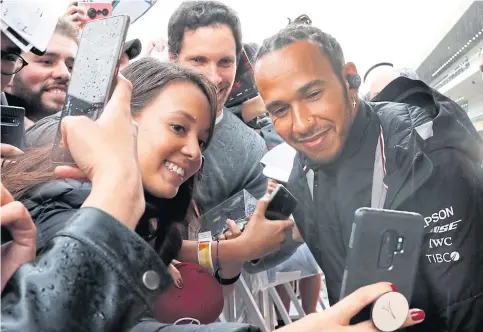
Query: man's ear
{"points": [[352, 78], [172, 57]]}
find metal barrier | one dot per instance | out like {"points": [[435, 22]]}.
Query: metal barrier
{"points": [[258, 307]]}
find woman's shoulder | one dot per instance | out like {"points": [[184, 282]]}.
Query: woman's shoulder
{"points": [[58, 193], [52, 205]]}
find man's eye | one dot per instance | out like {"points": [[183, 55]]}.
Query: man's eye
{"points": [[197, 61], [46, 62], [314, 95], [280, 111], [226, 63]]}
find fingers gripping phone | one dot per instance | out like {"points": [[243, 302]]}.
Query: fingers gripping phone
{"points": [[282, 204], [244, 87], [94, 73], [13, 130], [385, 245]]}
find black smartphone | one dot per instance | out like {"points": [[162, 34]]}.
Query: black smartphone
{"points": [[244, 87], [282, 204], [12, 122], [94, 74], [385, 245]]}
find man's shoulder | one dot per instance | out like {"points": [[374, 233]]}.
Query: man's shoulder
{"points": [[232, 130], [43, 131]]}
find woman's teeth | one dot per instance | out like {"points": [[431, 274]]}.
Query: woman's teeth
{"points": [[174, 168]]}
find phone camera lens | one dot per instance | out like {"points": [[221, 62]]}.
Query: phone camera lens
{"points": [[105, 12], [92, 13]]}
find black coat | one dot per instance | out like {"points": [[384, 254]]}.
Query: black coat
{"points": [[440, 177], [92, 273]]}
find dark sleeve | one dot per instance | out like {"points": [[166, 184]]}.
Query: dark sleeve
{"points": [[51, 223], [451, 202], [95, 275], [152, 325]]}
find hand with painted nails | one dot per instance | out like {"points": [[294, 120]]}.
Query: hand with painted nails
{"points": [[338, 317]]}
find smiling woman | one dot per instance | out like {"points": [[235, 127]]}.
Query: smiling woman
{"points": [[174, 109]]}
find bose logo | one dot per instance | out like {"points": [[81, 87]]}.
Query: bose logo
{"points": [[437, 216], [445, 228], [444, 258]]}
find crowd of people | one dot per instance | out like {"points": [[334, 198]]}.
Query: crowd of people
{"points": [[110, 243]]}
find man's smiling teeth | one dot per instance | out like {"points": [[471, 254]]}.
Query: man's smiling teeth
{"points": [[174, 168], [57, 91]]}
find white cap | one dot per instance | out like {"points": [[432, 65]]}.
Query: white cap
{"points": [[30, 23]]}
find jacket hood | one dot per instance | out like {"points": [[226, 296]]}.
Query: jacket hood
{"points": [[437, 119], [57, 194]]}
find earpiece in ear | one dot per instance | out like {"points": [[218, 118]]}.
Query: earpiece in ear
{"points": [[354, 81]]}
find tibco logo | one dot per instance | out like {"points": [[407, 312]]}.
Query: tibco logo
{"points": [[437, 216], [444, 258]]}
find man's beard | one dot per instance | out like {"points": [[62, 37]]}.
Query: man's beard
{"points": [[35, 109]]}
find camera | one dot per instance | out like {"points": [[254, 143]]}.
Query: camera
{"points": [[97, 10]]}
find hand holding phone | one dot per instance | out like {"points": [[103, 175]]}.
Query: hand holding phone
{"points": [[282, 204], [13, 128], [95, 68], [385, 245], [244, 87]]}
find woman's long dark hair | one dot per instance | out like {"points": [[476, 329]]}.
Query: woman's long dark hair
{"points": [[148, 77]]}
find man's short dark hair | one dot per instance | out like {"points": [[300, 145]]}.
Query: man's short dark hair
{"points": [[191, 15], [293, 33], [67, 29]]}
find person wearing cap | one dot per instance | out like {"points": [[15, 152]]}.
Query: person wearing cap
{"points": [[132, 49]]}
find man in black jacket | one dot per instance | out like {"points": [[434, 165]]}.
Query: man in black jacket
{"points": [[430, 157]]}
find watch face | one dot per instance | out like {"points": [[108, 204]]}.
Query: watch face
{"points": [[390, 311]]}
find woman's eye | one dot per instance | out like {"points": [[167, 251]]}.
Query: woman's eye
{"points": [[178, 128]]}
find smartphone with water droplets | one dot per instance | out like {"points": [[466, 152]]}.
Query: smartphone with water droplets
{"points": [[94, 74]]}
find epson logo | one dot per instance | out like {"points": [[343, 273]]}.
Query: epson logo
{"points": [[437, 216], [445, 228]]}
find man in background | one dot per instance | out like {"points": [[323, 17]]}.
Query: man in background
{"points": [[132, 49], [206, 36], [41, 86]]}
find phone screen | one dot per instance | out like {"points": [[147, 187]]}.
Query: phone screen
{"points": [[244, 87], [94, 72], [282, 204]]}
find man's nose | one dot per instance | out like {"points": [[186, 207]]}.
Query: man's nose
{"points": [[214, 75], [61, 71], [302, 119]]}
